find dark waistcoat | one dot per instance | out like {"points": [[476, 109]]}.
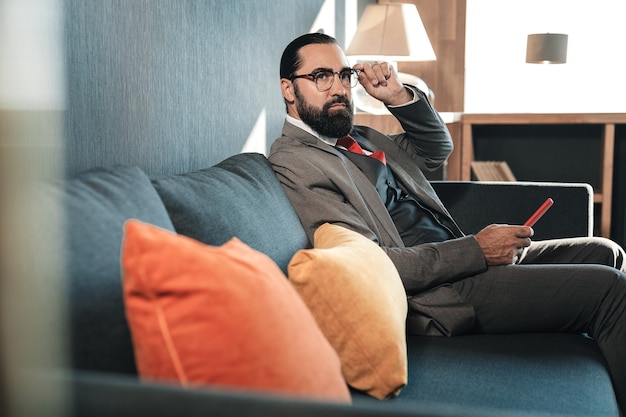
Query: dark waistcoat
{"points": [[416, 223]]}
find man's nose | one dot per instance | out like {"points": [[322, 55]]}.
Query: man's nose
{"points": [[338, 88]]}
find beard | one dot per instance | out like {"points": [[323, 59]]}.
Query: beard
{"points": [[333, 124]]}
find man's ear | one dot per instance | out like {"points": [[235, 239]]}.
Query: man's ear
{"points": [[287, 88]]}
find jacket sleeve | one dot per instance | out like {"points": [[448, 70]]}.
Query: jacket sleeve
{"points": [[429, 265], [426, 137]]}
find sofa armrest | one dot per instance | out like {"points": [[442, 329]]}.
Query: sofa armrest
{"points": [[475, 205]]}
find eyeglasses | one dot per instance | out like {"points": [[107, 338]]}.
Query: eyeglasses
{"points": [[324, 79]]}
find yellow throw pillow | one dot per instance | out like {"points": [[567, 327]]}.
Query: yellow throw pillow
{"points": [[355, 293]]}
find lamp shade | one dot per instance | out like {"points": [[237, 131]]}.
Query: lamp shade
{"points": [[392, 31], [546, 48]]}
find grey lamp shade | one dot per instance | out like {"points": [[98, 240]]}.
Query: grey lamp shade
{"points": [[546, 48]]}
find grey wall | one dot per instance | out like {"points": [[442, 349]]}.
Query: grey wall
{"points": [[174, 85]]}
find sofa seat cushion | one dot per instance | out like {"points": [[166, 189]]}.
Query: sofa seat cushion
{"points": [[93, 206], [222, 316], [531, 374], [239, 197]]}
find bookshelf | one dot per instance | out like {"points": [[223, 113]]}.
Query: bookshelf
{"points": [[547, 147]]}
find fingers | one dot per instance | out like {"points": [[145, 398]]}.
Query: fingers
{"points": [[524, 231], [504, 244], [520, 239], [523, 234], [523, 242], [519, 253], [381, 82], [375, 74]]}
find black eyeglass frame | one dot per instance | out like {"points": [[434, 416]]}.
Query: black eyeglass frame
{"points": [[313, 77]]}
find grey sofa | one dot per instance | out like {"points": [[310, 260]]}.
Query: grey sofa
{"points": [[476, 375]]}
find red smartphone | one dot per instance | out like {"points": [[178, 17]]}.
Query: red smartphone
{"points": [[540, 212]]}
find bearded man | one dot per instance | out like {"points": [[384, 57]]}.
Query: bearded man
{"points": [[495, 281]]}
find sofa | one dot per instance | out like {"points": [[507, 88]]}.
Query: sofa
{"points": [[474, 375]]}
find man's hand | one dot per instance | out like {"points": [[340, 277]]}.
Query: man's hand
{"points": [[503, 244], [381, 82]]}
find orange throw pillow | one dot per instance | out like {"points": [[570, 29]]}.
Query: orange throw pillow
{"points": [[357, 297], [222, 316]]}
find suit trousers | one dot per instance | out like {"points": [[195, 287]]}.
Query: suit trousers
{"points": [[569, 285]]}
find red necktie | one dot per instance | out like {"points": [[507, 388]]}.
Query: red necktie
{"points": [[350, 144]]}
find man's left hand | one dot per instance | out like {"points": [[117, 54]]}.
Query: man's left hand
{"points": [[381, 82]]}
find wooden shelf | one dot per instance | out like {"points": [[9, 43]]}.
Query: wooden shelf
{"points": [[543, 118], [607, 121]]}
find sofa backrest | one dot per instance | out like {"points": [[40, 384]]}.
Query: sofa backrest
{"points": [[94, 206], [475, 205], [240, 197]]}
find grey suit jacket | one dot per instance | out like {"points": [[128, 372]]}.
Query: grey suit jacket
{"points": [[325, 186]]}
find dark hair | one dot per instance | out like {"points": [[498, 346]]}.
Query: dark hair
{"points": [[291, 60]]}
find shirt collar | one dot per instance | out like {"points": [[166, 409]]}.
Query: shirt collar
{"points": [[299, 123]]}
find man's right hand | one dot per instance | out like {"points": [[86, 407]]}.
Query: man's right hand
{"points": [[502, 243]]}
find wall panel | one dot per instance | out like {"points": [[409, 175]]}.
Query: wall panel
{"points": [[173, 85]]}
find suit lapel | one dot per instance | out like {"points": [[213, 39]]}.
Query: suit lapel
{"points": [[363, 186]]}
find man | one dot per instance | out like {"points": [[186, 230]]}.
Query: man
{"points": [[455, 283]]}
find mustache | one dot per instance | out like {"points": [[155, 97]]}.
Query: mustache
{"points": [[337, 100]]}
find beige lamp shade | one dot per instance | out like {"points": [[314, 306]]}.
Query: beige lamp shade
{"points": [[546, 48], [392, 31]]}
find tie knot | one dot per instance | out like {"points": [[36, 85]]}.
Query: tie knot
{"points": [[351, 145], [347, 142]]}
